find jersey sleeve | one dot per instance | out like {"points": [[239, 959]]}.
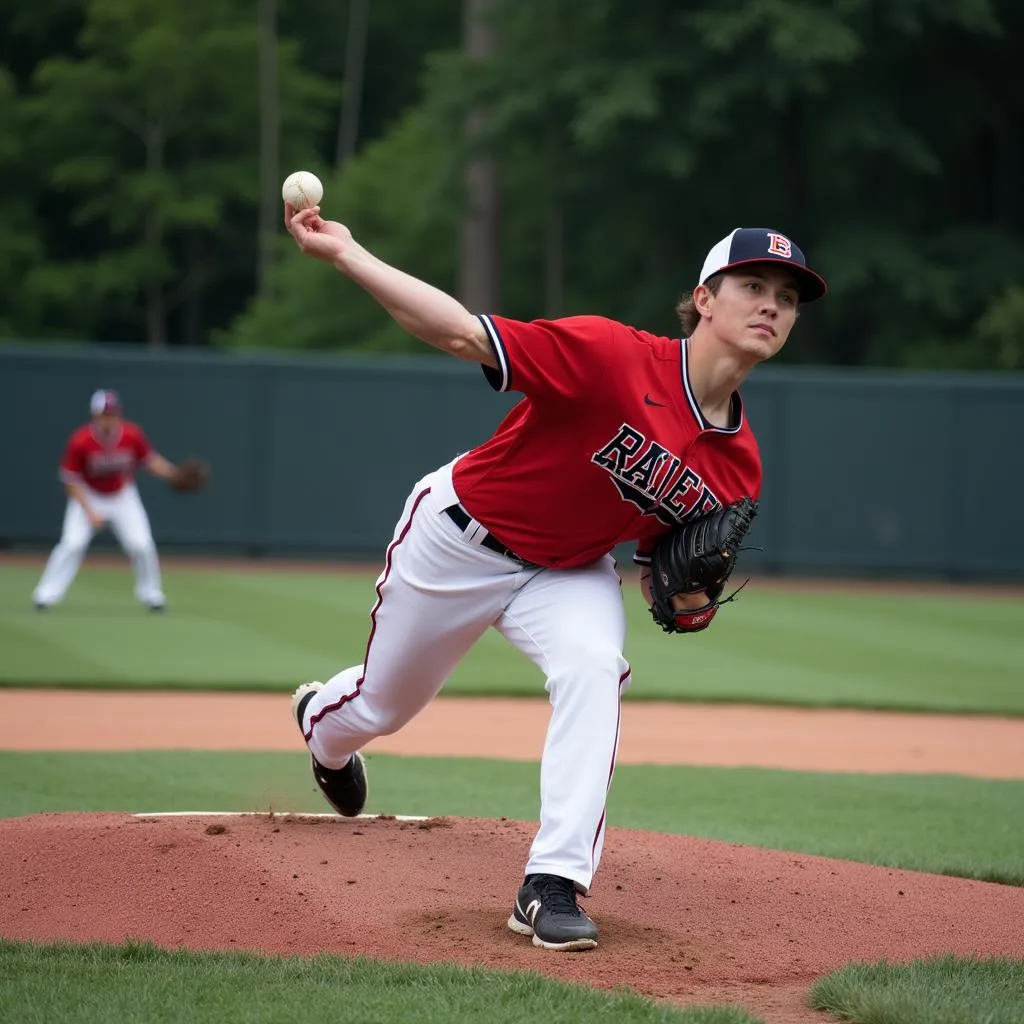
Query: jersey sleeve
{"points": [[73, 461], [563, 358], [648, 541], [140, 444]]}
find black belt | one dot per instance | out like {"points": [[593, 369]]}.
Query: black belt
{"points": [[461, 518]]}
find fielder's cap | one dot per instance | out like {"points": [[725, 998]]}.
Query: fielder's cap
{"points": [[103, 401], [744, 246]]}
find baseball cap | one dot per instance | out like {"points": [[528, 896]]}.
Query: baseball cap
{"points": [[744, 246], [103, 401]]}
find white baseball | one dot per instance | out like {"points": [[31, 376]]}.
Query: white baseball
{"points": [[302, 189]]}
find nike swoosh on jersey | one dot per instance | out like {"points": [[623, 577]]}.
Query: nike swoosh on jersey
{"points": [[650, 401]]}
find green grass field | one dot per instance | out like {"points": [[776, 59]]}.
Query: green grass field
{"points": [[943, 824], [940, 990], [251, 629], [263, 630], [139, 984]]}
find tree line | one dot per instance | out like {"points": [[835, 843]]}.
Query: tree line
{"points": [[540, 157]]}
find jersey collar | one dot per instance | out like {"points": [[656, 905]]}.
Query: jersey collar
{"points": [[105, 440], [684, 347]]}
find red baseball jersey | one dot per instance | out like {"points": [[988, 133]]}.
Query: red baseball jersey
{"points": [[608, 446], [105, 464]]}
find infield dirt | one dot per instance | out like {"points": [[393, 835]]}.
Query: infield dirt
{"points": [[683, 919]]}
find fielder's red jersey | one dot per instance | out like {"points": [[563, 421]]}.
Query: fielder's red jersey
{"points": [[105, 464], [608, 446]]}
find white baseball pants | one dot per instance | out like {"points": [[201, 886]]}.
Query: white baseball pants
{"points": [[125, 514], [439, 591]]}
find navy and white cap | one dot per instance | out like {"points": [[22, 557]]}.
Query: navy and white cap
{"points": [[103, 401], [744, 246]]}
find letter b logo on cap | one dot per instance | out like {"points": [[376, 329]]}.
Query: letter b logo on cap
{"points": [[779, 245]]}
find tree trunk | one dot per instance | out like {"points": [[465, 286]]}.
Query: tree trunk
{"points": [[270, 130], [554, 227], [1007, 175], [479, 259], [193, 327], [352, 95], [792, 154], [156, 313]]}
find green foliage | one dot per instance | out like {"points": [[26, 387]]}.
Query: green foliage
{"points": [[138, 983], [881, 134], [1000, 332], [147, 131], [393, 199], [938, 990], [21, 243], [659, 130], [996, 342]]}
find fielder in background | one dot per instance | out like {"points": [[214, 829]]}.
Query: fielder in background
{"points": [[98, 471], [621, 436]]}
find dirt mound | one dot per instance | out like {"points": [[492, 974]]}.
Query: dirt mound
{"points": [[684, 919]]}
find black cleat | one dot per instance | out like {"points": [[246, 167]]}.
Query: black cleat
{"points": [[345, 789], [546, 908]]}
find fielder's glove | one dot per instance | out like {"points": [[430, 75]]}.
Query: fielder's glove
{"points": [[698, 556], [190, 475]]}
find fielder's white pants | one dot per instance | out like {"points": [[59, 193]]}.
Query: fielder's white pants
{"points": [[126, 516], [439, 591]]}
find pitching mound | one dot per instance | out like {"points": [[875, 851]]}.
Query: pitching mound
{"points": [[683, 919]]}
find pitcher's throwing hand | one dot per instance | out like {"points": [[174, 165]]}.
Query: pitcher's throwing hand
{"points": [[325, 240]]}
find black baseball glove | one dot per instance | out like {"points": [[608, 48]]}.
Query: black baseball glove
{"points": [[697, 557]]}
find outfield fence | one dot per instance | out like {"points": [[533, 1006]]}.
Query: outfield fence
{"points": [[867, 472]]}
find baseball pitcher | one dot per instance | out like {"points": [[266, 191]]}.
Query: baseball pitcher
{"points": [[621, 435]]}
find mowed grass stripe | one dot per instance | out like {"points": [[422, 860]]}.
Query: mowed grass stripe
{"points": [[224, 632], [90, 649], [926, 635], [139, 984], [937, 990], [941, 824], [25, 647], [268, 630]]}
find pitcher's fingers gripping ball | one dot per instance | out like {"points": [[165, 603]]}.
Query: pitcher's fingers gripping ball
{"points": [[697, 557], [302, 189]]}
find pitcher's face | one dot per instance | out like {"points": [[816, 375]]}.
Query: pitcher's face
{"points": [[755, 309]]}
